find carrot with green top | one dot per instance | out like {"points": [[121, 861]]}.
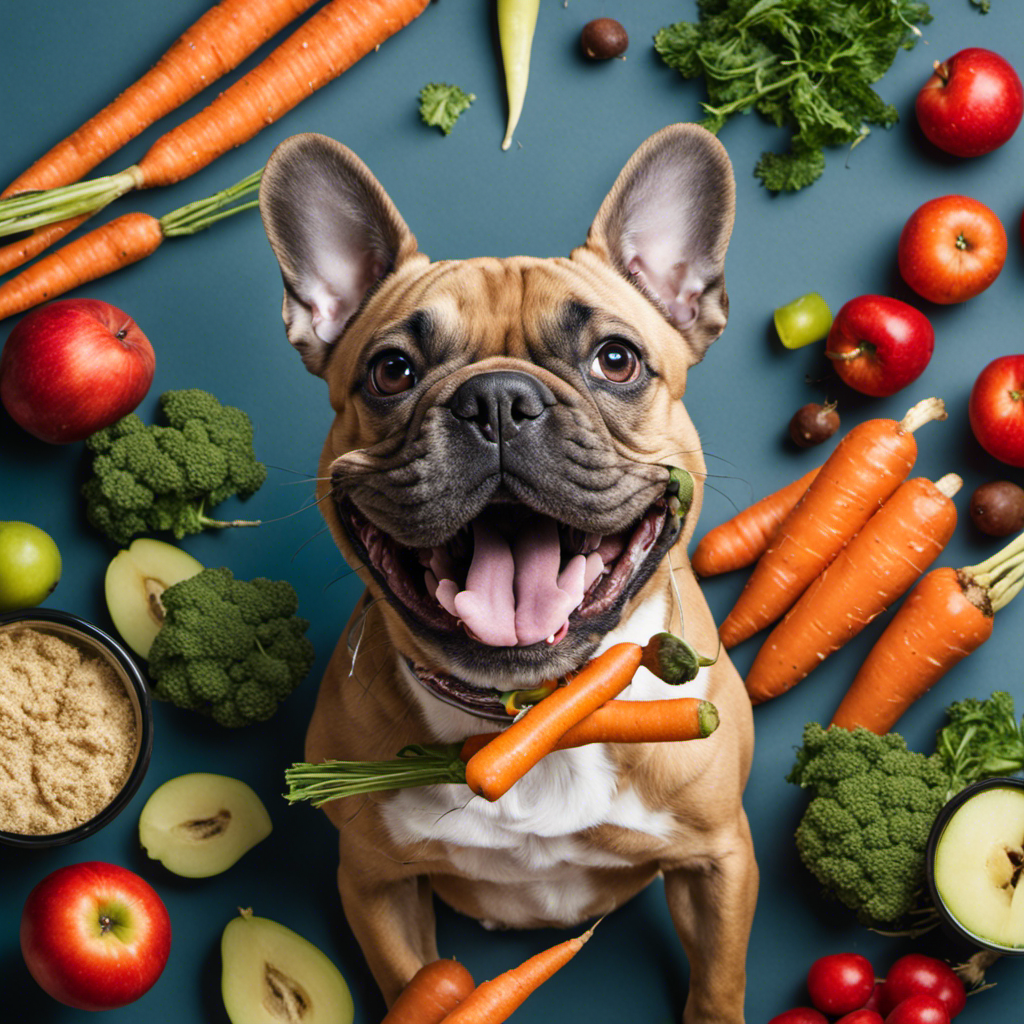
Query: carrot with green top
{"points": [[880, 564], [494, 1001], [866, 467], [328, 43], [431, 994], [211, 47], [742, 540], [119, 243], [946, 617]]}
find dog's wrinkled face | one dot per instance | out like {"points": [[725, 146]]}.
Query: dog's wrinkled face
{"points": [[499, 458]]}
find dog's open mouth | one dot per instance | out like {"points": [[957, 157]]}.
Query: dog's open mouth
{"points": [[512, 577]]}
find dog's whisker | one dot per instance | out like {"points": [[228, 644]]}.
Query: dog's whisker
{"points": [[718, 490], [308, 541], [287, 469]]}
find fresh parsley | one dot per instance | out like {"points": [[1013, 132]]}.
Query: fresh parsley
{"points": [[441, 105], [803, 64]]}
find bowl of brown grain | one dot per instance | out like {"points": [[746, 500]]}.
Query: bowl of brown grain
{"points": [[76, 728]]}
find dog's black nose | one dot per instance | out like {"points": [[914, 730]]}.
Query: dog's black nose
{"points": [[501, 403]]}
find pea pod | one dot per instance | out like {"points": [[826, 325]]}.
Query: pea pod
{"points": [[516, 21]]}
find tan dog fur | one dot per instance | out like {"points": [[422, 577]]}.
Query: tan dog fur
{"points": [[501, 307]]}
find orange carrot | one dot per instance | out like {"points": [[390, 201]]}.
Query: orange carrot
{"points": [[628, 721], [867, 466], [946, 617], [123, 241], [324, 46], [431, 994], [740, 541], [219, 41], [879, 565], [506, 759], [492, 1002], [14, 254]]}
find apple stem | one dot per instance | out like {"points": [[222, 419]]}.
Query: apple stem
{"points": [[941, 71], [105, 924], [846, 357]]}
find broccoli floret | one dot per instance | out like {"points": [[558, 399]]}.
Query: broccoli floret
{"points": [[864, 833], [231, 649], [441, 105], [152, 479]]}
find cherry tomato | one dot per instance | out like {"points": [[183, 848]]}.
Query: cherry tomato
{"points": [[862, 1016], [916, 974], [840, 983], [800, 1015], [919, 1009]]}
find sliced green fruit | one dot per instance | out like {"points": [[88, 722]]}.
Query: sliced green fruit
{"points": [[199, 824], [271, 975], [136, 577]]}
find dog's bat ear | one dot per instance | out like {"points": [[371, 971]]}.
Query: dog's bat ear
{"points": [[335, 233], [666, 225]]}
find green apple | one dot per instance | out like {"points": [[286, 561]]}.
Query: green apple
{"points": [[978, 861], [271, 974], [136, 577], [199, 824], [29, 566]]}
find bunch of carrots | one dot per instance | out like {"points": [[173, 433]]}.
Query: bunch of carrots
{"points": [[443, 991], [581, 712], [45, 199], [838, 547]]}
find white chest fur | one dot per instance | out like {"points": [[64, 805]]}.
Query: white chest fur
{"points": [[528, 835]]}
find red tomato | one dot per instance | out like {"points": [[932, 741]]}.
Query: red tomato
{"points": [[875, 1000], [916, 974], [800, 1015], [951, 249], [862, 1016], [920, 1009], [840, 983]]}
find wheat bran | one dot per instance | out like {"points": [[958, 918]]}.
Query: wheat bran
{"points": [[67, 734]]}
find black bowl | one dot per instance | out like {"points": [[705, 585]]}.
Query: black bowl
{"points": [[87, 637], [950, 923]]}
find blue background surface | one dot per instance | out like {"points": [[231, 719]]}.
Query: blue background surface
{"points": [[210, 305]]}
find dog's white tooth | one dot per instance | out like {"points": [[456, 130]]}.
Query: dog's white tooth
{"points": [[550, 639]]}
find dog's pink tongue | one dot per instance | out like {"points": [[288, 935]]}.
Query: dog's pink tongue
{"points": [[515, 594]]}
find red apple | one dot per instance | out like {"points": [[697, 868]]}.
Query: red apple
{"points": [[972, 103], [72, 367], [951, 249], [996, 409], [95, 935], [879, 345]]}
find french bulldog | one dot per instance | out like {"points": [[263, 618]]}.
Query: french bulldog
{"points": [[496, 473]]}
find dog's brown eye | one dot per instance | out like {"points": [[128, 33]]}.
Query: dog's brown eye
{"points": [[391, 373], [615, 361]]}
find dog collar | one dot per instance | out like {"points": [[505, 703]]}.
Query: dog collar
{"points": [[460, 694]]}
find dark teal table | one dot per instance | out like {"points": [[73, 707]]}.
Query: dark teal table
{"points": [[211, 307]]}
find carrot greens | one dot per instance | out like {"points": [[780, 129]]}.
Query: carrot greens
{"points": [[803, 64], [441, 105]]}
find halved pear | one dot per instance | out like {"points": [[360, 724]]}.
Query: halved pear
{"points": [[199, 824], [271, 975], [978, 865], [136, 577]]}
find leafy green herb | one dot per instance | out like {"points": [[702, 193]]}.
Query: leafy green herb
{"points": [[803, 64], [982, 5], [441, 105], [982, 739]]}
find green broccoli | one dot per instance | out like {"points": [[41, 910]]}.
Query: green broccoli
{"points": [[441, 105], [864, 833], [228, 648], [148, 479]]}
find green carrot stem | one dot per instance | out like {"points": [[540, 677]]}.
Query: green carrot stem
{"points": [[197, 216], [1007, 587], [987, 572], [30, 210]]}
